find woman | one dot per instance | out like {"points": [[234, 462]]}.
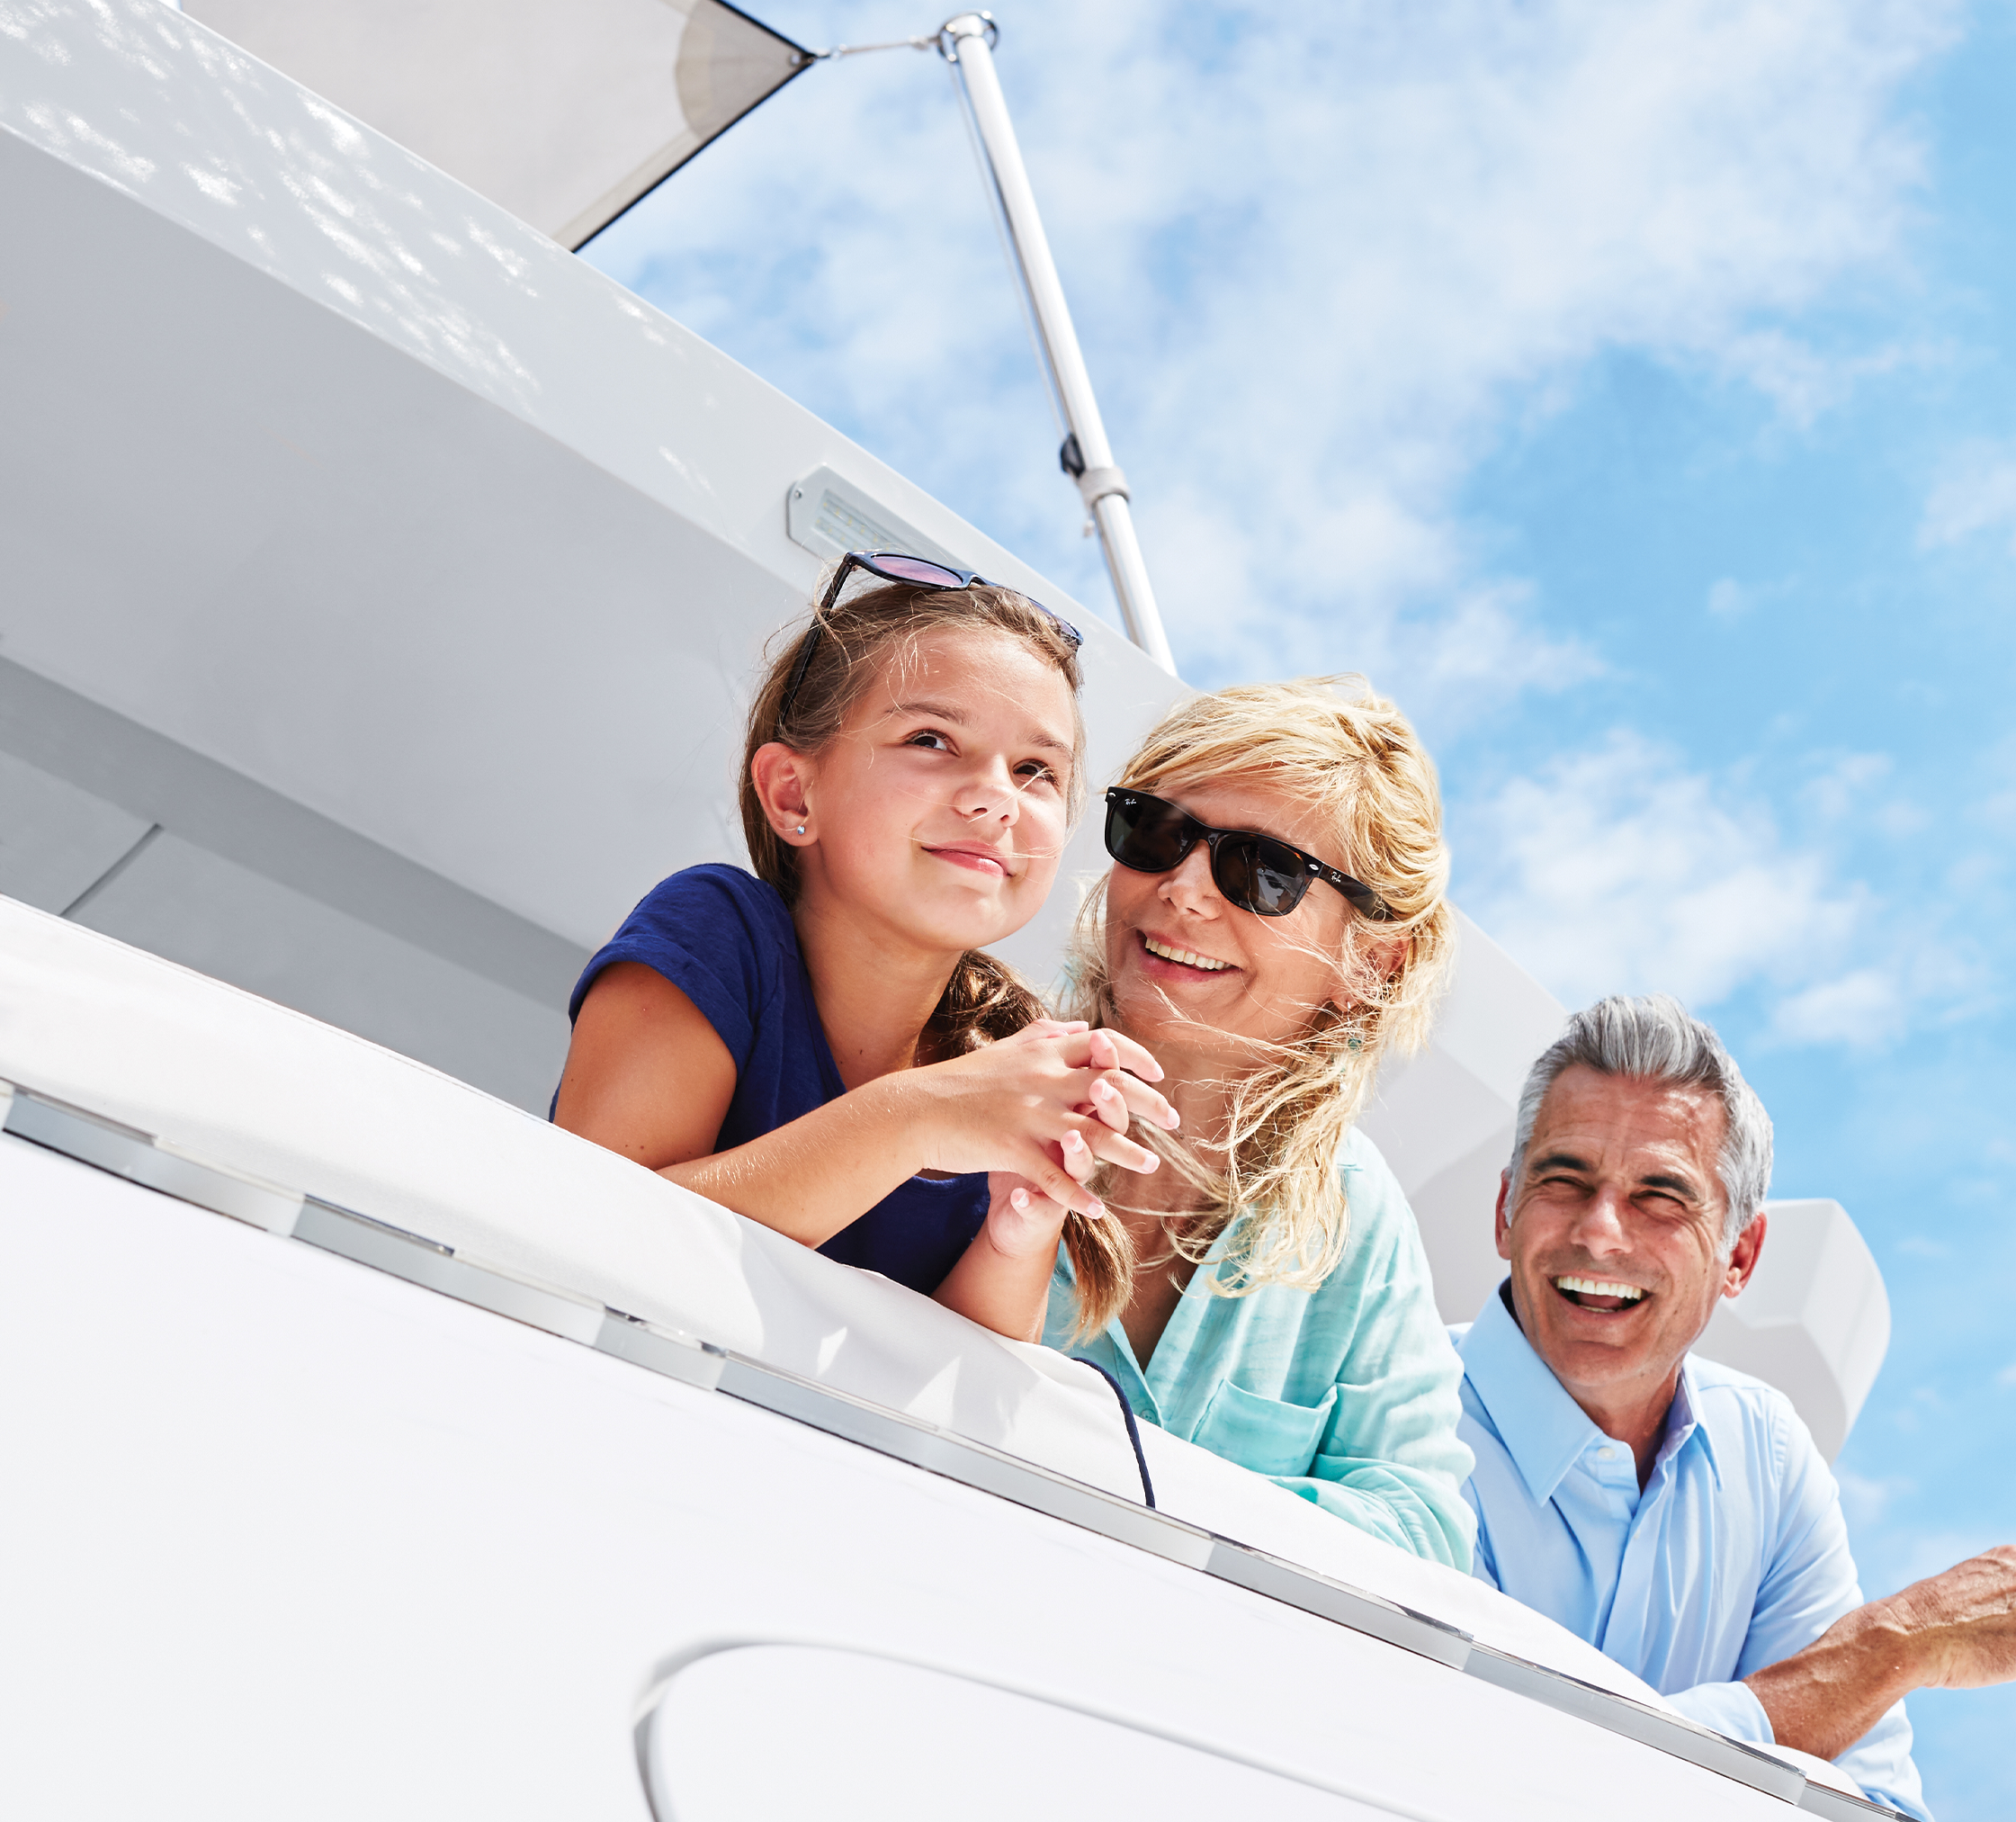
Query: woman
{"points": [[1273, 928]]}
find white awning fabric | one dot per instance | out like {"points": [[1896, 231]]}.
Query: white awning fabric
{"points": [[564, 111]]}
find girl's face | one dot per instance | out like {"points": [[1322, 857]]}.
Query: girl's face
{"points": [[938, 812], [1191, 972]]}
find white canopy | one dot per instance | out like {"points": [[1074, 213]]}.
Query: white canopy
{"points": [[565, 111]]}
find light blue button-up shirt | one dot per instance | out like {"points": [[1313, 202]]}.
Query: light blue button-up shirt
{"points": [[1346, 1394], [1734, 1556]]}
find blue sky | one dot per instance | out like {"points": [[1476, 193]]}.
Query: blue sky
{"points": [[1629, 391]]}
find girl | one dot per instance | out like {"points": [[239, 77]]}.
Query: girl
{"points": [[821, 1046], [1273, 928]]}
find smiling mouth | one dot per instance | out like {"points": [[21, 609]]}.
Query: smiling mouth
{"points": [[976, 860], [1604, 1296], [1187, 959]]}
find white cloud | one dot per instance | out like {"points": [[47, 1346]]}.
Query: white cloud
{"points": [[1318, 260], [1976, 494], [1846, 785], [1864, 1009], [1619, 870], [1729, 600], [1897, 1559], [1864, 1498]]}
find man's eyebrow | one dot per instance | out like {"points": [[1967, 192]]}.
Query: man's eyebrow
{"points": [[1559, 1161], [1679, 1186]]}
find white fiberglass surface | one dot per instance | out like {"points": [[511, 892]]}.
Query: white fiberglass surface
{"points": [[294, 1538], [508, 639], [874, 1740], [180, 901], [250, 1086]]}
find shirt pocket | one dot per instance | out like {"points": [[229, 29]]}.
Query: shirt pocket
{"points": [[1268, 1435]]}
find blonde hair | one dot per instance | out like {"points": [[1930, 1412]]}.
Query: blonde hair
{"points": [[858, 638], [1330, 743]]}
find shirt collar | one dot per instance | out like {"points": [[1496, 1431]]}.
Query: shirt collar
{"points": [[1542, 1429], [1683, 1424]]}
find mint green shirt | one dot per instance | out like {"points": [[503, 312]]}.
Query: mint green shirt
{"points": [[1346, 1394]]}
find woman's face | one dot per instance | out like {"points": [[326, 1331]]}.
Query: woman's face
{"points": [[1191, 972]]}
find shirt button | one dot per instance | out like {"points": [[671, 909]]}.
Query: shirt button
{"points": [[1606, 1454]]}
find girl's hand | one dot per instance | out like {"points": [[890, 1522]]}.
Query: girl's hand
{"points": [[1047, 1104], [1110, 1101]]}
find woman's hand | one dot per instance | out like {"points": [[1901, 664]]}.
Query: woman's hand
{"points": [[1046, 1105], [1002, 1281], [1022, 1222]]}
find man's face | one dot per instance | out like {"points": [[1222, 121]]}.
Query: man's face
{"points": [[1614, 1233]]}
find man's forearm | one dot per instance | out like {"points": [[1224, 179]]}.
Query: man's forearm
{"points": [[1953, 1630], [1825, 1698]]}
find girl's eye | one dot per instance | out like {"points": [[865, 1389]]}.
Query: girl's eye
{"points": [[1035, 772], [931, 739]]}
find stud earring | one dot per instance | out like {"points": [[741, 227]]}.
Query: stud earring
{"points": [[799, 829]]}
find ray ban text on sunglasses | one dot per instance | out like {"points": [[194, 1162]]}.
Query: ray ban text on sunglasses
{"points": [[1256, 873]]}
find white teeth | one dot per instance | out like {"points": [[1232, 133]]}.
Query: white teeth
{"points": [[1600, 1287], [1183, 955]]}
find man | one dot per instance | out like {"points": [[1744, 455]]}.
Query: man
{"points": [[1676, 1515]]}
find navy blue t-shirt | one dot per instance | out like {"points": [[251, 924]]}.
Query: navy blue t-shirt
{"points": [[725, 940]]}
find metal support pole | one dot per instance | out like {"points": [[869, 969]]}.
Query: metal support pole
{"points": [[967, 44]]}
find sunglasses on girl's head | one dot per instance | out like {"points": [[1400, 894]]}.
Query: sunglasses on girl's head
{"points": [[1254, 872], [896, 566]]}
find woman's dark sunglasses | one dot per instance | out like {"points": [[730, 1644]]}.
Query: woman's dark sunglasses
{"points": [[1254, 872], [919, 573]]}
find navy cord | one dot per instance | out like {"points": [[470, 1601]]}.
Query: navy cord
{"points": [[1133, 1431]]}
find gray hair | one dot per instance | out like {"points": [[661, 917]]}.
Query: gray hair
{"points": [[1656, 1039]]}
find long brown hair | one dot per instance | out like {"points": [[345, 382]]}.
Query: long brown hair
{"points": [[859, 637], [1340, 748]]}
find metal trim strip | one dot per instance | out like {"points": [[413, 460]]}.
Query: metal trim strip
{"points": [[961, 1458], [1651, 1727], [120, 1150], [1838, 1806], [421, 1261], [646, 1345], [1261, 1574], [124, 1151]]}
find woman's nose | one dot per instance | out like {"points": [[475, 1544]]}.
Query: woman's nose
{"points": [[1190, 885]]}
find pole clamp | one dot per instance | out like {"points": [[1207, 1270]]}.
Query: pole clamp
{"points": [[1101, 483]]}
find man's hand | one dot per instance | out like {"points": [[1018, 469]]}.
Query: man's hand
{"points": [[1953, 1630], [1965, 1621]]}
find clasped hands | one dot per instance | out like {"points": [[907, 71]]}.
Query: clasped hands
{"points": [[1039, 1112]]}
